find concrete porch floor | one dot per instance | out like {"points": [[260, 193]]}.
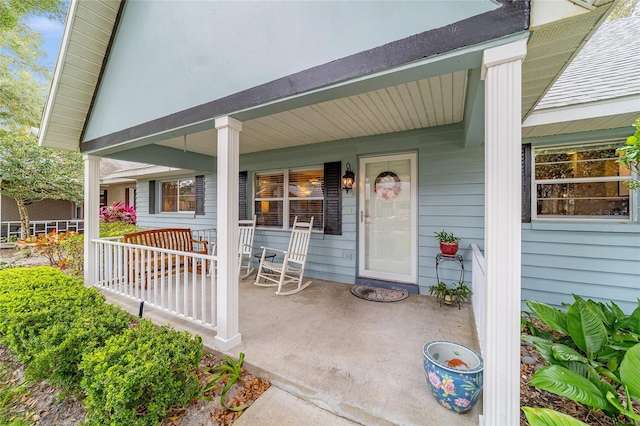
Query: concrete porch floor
{"points": [[357, 359]]}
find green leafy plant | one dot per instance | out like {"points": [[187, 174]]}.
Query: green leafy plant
{"points": [[593, 341], [444, 237], [138, 375], [459, 293], [547, 417], [630, 154], [50, 320], [228, 373]]}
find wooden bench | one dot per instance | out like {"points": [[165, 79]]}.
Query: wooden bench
{"points": [[179, 239]]}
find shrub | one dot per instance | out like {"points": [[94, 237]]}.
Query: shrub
{"points": [[48, 245], [50, 320], [131, 373], [118, 212], [138, 375], [73, 248], [116, 229]]}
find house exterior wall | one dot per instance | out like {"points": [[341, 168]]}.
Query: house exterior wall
{"points": [[446, 200], [598, 259], [38, 210], [187, 49], [173, 220], [591, 259]]}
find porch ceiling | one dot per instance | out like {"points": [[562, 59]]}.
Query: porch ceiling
{"points": [[430, 102]]}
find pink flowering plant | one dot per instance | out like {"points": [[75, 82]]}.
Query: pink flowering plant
{"points": [[118, 212]]}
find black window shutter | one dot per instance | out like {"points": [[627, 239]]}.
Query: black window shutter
{"points": [[333, 198], [152, 197], [242, 196], [526, 183], [200, 195], [126, 196]]}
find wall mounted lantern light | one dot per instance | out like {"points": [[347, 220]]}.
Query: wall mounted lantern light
{"points": [[348, 179]]}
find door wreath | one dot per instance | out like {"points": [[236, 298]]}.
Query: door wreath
{"points": [[387, 186]]}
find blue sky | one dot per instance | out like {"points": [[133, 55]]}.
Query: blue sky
{"points": [[52, 34]]}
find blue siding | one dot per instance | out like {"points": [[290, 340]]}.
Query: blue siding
{"points": [[594, 260], [598, 264], [173, 220]]}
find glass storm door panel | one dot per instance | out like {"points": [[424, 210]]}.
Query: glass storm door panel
{"points": [[388, 218]]}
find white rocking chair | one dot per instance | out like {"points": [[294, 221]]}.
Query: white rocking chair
{"points": [[291, 270], [245, 246]]}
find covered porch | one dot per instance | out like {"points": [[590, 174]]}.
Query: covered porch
{"points": [[357, 359], [446, 98]]}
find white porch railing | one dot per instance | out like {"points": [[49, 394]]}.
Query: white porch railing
{"points": [[180, 283], [209, 235], [478, 288], [12, 230]]}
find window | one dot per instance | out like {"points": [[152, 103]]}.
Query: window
{"points": [[282, 195], [103, 198], [178, 196], [581, 182]]}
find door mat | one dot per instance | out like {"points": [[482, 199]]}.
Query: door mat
{"points": [[378, 294]]}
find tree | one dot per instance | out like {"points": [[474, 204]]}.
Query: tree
{"points": [[22, 77], [625, 9], [30, 173], [13, 12]]}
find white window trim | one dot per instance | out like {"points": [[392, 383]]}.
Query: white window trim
{"points": [[633, 208], [286, 223], [177, 211]]}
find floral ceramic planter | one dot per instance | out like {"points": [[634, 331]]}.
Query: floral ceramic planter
{"points": [[454, 373]]}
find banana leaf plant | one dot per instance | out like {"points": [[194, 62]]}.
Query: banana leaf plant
{"points": [[594, 356]]}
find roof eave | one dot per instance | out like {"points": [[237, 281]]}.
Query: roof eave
{"points": [[55, 84]]}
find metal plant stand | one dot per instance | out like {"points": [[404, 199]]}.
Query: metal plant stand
{"points": [[448, 258]]}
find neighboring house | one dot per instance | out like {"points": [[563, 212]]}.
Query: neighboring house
{"points": [[113, 187], [268, 103]]}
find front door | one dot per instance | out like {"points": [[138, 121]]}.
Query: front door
{"points": [[388, 195]]}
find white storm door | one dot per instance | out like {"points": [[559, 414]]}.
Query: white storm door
{"points": [[387, 220]]}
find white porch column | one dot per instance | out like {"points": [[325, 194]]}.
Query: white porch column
{"points": [[228, 334], [502, 72], [91, 215]]}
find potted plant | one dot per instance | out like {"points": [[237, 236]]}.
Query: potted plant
{"points": [[454, 374], [462, 292], [448, 242], [458, 294]]}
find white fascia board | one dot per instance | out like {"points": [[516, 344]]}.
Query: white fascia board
{"points": [[548, 11], [55, 83], [597, 109]]}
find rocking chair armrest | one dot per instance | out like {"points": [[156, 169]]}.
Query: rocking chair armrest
{"points": [[266, 249]]}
